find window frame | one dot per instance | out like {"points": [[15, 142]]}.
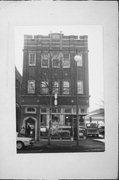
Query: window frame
{"points": [[80, 63], [28, 88], [63, 60], [80, 90], [56, 87], [44, 57], [54, 59], [32, 64], [63, 87], [29, 112], [45, 87]]}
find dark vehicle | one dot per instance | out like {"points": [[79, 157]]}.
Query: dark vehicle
{"points": [[92, 129]]}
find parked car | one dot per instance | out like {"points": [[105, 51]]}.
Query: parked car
{"points": [[22, 141]]}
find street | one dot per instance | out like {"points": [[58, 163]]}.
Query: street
{"points": [[89, 145]]}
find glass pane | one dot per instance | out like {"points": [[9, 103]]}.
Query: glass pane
{"points": [[44, 84], [56, 63], [65, 90], [80, 87], [32, 58], [55, 91], [45, 91], [31, 109], [44, 63], [31, 86], [65, 84], [80, 62], [43, 119], [55, 84], [66, 61]]}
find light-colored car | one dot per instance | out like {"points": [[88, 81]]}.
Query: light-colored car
{"points": [[22, 141]]}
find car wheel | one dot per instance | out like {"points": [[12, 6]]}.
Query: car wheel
{"points": [[20, 145]]}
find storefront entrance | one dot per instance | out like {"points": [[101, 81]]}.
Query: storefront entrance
{"points": [[30, 127]]}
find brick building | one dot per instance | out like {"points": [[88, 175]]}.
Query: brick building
{"points": [[18, 82], [53, 83]]}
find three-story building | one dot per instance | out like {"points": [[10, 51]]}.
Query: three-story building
{"points": [[53, 83]]}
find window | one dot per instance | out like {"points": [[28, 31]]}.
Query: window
{"points": [[55, 87], [30, 110], [56, 63], [44, 87], [31, 86], [65, 87], [79, 87], [56, 58], [66, 61], [45, 61], [80, 62], [32, 59]]}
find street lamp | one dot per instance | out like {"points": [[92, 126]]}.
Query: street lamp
{"points": [[77, 59]]}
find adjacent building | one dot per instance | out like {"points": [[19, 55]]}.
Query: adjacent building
{"points": [[53, 83], [18, 83]]}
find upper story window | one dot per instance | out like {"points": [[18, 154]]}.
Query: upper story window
{"points": [[80, 61], [55, 87], [66, 86], [79, 87], [56, 59], [32, 58], [45, 60], [66, 61], [31, 86], [56, 63], [44, 87]]}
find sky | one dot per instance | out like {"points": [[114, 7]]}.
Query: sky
{"points": [[95, 55]]}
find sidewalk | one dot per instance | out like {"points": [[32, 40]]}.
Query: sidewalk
{"points": [[88, 145]]}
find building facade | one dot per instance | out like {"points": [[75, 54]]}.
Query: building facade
{"points": [[18, 83], [53, 83]]}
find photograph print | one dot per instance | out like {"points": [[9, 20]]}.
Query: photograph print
{"points": [[59, 89]]}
